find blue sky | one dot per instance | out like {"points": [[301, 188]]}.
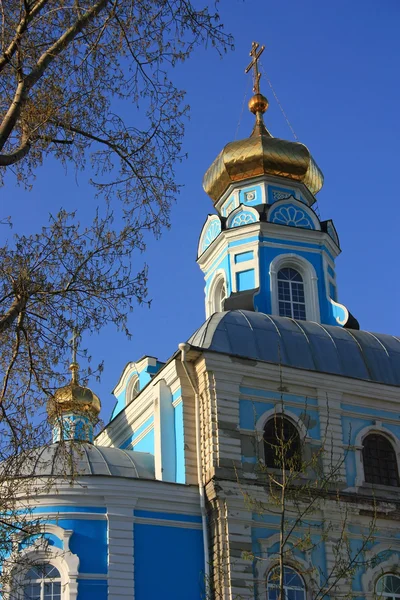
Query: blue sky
{"points": [[335, 69]]}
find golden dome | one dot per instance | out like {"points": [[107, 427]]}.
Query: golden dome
{"points": [[261, 154], [74, 398]]}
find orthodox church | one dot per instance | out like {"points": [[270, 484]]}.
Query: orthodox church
{"points": [[166, 501]]}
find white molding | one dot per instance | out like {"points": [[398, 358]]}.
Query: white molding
{"points": [[64, 560], [209, 220], [292, 417], [167, 523], [252, 263], [358, 448], [310, 280], [301, 566], [237, 211], [267, 180], [219, 279], [370, 578], [291, 199]]}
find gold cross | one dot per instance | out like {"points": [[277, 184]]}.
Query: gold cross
{"points": [[254, 65]]}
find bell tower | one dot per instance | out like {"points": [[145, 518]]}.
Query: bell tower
{"points": [[266, 250]]}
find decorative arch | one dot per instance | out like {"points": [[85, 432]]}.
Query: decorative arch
{"points": [[132, 389], [379, 429], [210, 231], [303, 566], [310, 281], [293, 213], [370, 578], [291, 416], [243, 215], [217, 293], [62, 559]]}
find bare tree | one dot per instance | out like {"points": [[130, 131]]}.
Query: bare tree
{"points": [[304, 486], [88, 83]]}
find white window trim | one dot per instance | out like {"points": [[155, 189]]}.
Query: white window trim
{"points": [[370, 578], [251, 263], [131, 387], [63, 560], [358, 448], [219, 276], [310, 281], [269, 414], [302, 566], [242, 208]]}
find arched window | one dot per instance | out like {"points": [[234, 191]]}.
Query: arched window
{"points": [[282, 444], [218, 295], [293, 585], [133, 389], [291, 298], [388, 586], [379, 459], [42, 582]]}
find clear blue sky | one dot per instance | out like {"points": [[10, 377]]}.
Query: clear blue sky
{"points": [[335, 69]]}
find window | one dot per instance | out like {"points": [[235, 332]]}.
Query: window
{"points": [[293, 585], [42, 582], [291, 297], [379, 458], [388, 586], [282, 444], [219, 296], [133, 389]]}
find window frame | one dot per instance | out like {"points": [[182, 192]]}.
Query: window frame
{"points": [[42, 581], [132, 389], [380, 595], [291, 302], [379, 434], [286, 587], [290, 422], [310, 283], [377, 428], [65, 561], [218, 283]]}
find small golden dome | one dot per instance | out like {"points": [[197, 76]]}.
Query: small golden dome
{"points": [[74, 398], [261, 154]]}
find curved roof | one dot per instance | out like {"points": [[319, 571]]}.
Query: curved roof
{"points": [[83, 458], [302, 344]]}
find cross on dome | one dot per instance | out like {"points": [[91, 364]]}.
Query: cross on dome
{"points": [[254, 65]]}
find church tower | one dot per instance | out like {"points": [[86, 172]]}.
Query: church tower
{"points": [[177, 498], [267, 250]]}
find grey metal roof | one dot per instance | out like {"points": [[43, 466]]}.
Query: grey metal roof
{"points": [[82, 458], [302, 344]]}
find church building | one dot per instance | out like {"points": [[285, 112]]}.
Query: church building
{"points": [[175, 498]]}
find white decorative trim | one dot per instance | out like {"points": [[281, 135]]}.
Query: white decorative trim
{"points": [[310, 280], [242, 208], [370, 578], [302, 566], [219, 279], [358, 448], [260, 424], [63, 560], [252, 263], [301, 206], [205, 231]]}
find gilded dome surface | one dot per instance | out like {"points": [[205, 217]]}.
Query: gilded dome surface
{"points": [[74, 398], [261, 154]]}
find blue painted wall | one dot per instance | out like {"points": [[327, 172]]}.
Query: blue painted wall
{"points": [[169, 560], [92, 589]]}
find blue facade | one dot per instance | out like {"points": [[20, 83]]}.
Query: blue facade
{"points": [[286, 229], [175, 551]]}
